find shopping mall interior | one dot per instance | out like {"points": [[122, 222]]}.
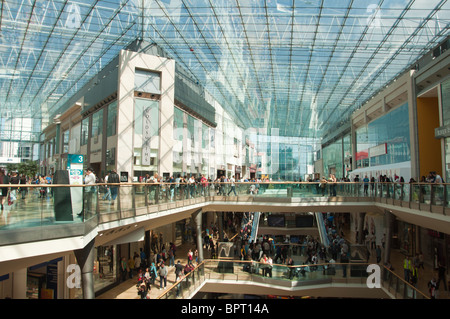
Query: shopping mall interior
{"points": [[245, 149]]}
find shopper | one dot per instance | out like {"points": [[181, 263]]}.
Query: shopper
{"points": [[432, 288], [113, 178], [441, 277], [162, 276], [233, 186]]}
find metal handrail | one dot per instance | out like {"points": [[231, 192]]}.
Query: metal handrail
{"points": [[251, 262]]}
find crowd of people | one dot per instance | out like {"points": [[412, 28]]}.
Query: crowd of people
{"points": [[9, 195], [185, 187], [267, 251], [153, 270]]}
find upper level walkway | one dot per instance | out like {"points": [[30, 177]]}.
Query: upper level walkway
{"points": [[69, 217]]}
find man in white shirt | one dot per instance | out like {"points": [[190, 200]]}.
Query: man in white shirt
{"points": [[437, 178], [89, 191], [191, 183], [233, 186]]}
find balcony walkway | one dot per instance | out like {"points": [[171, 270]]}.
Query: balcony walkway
{"points": [[128, 290], [35, 219]]}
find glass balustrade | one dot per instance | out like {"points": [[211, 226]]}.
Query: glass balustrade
{"points": [[82, 207], [246, 272]]}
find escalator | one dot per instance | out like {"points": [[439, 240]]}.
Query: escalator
{"points": [[322, 230], [255, 226]]}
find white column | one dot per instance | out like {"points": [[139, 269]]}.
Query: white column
{"points": [[20, 284]]}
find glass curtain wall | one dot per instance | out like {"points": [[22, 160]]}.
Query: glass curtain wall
{"points": [[111, 130], [84, 131], [392, 129], [336, 157], [111, 123], [191, 150], [445, 98], [190, 146], [97, 123], [19, 138], [178, 133], [333, 159], [283, 158], [362, 147], [347, 145]]}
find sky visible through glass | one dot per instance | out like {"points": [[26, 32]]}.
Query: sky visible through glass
{"points": [[301, 66]]}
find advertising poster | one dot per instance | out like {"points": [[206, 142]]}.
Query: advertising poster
{"points": [[75, 168]]}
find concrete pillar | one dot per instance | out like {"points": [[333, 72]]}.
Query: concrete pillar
{"points": [[389, 233], [85, 259], [220, 225], [58, 144], [362, 217], [19, 289], [197, 216]]}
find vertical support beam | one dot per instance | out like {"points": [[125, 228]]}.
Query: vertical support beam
{"points": [[220, 222], [389, 234], [186, 136], [166, 116], [104, 141], [353, 145], [58, 143], [413, 127], [19, 290], [197, 217], [362, 216], [85, 259]]}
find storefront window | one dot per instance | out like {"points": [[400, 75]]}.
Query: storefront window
{"points": [[66, 142], [104, 267], [111, 126], [84, 131], [147, 81], [97, 123]]}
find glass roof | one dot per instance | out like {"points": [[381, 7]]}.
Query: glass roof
{"points": [[297, 65]]}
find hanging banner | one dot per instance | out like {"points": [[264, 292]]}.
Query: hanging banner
{"points": [[146, 135]]}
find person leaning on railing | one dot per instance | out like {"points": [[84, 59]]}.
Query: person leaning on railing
{"points": [[89, 179]]}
